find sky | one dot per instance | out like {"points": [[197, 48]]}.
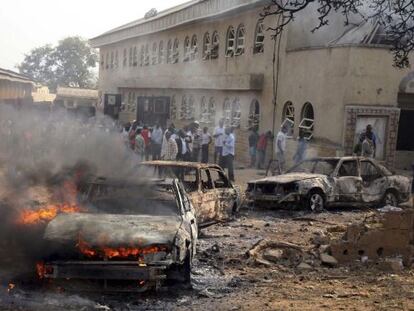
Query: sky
{"points": [[27, 24]]}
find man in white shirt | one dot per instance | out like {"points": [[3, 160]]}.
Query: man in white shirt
{"points": [[228, 152], [205, 143], [156, 142], [218, 141], [280, 148]]}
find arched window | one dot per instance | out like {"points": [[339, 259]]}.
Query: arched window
{"points": [[154, 54], [194, 47], [135, 59], [125, 59], [240, 40], [259, 37], [176, 52], [288, 118], [215, 43], [142, 56], [206, 46], [187, 108], [187, 49], [161, 52], [169, 52], [131, 54], [147, 56], [307, 120], [107, 61], [191, 108], [208, 110], [235, 113], [254, 114], [116, 64], [112, 59], [227, 112], [173, 109], [230, 42], [183, 108]]}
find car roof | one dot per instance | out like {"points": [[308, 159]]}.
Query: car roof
{"points": [[131, 182], [197, 165]]}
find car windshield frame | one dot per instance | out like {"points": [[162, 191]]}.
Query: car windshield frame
{"points": [[313, 170]]}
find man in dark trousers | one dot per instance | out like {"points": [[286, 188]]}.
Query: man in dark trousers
{"points": [[228, 152]]}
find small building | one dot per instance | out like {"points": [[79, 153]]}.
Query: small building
{"points": [[42, 98], [77, 101], [15, 88]]}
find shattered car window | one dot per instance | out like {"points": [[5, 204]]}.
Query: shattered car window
{"points": [[317, 166], [143, 200]]}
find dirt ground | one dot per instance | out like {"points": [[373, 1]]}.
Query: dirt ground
{"points": [[224, 278]]}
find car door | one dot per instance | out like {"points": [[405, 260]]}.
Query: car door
{"points": [[227, 195], [348, 182], [189, 215], [207, 200], [374, 183]]}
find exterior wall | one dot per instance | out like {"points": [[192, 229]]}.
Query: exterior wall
{"points": [[329, 78], [15, 92]]}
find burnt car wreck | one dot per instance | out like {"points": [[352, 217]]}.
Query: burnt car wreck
{"points": [[133, 236], [320, 182], [212, 194]]}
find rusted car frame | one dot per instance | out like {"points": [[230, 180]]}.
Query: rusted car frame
{"points": [[213, 196], [321, 182], [146, 247]]}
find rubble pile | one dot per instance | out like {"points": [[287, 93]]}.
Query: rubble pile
{"points": [[385, 234]]}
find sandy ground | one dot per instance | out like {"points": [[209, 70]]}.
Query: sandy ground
{"points": [[225, 279]]}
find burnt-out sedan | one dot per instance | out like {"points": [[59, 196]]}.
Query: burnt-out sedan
{"points": [[212, 194], [320, 182], [133, 235]]}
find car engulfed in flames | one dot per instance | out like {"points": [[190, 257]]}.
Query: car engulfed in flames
{"points": [[129, 235]]}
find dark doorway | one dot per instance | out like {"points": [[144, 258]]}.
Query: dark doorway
{"points": [[112, 105], [152, 110], [406, 131]]}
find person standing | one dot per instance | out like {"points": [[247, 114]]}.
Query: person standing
{"points": [[156, 142], [147, 136], [218, 141], [373, 138], [139, 145], [261, 148], [368, 146], [182, 144], [196, 141], [280, 148], [205, 143], [171, 148], [228, 152], [253, 139], [301, 150]]}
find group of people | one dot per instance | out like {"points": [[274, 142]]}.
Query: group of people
{"points": [[367, 143], [190, 143]]}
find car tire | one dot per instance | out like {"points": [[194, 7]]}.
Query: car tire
{"points": [[390, 198], [315, 201]]}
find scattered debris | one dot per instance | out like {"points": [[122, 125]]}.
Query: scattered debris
{"points": [[328, 260]]}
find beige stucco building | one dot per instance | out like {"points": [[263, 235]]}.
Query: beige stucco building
{"points": [[212, 59]]}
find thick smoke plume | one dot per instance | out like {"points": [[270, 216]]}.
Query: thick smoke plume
{"points": [[40, 152]]}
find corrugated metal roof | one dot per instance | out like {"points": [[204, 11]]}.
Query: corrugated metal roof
{"points": [[6, 74]]}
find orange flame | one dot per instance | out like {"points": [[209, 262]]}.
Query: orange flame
{"points": [[29, 217], [121, 252], [10, 287]]}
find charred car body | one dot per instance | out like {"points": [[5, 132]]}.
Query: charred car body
{"points": [[212, 194], [139, 234], [319, 182]]}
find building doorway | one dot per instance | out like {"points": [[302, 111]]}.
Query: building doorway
{"points": [[152, 110]]}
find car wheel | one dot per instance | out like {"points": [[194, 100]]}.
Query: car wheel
{"points": [[390, 198], [181, 273], [316, 201]]}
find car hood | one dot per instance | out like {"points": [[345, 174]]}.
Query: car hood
{"points": [[288, 178], [113, 230]]}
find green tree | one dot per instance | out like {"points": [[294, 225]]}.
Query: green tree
{"points": [[69, 64]]}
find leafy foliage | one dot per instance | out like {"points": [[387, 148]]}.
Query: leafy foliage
{"points": [[396, 17], [70, 64]]}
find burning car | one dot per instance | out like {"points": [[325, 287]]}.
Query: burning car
{"points": [[137, 233], [212, 194], [319, 182]]}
